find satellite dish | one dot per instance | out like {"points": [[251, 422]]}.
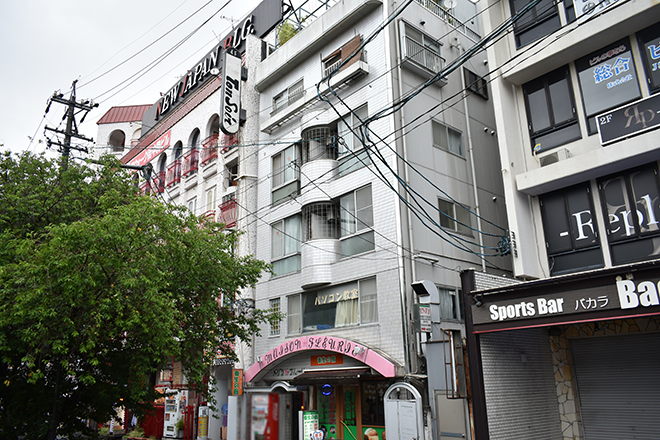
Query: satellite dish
{"points": [[450, 4]]}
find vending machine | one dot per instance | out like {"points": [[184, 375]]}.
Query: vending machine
{"points": [[172, 413]]}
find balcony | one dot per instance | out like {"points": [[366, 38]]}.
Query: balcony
{"points": [[229, 142], [228, 213], [146, 188], [209, 149], [190, 163], [173, 174], [422, 60], [159, 182], [209, 215], [466, 28]]}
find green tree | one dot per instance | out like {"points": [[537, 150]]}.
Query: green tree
{"points": [[98, 288]]}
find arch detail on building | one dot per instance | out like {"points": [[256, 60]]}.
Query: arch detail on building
{"points": [[346, 347]]}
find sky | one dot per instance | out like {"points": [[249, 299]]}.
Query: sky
{"points": [[47, 44]]}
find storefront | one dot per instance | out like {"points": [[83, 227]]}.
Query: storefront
{"points": [[320, 383], [578, 355]]}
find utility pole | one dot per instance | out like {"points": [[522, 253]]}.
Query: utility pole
{"points": [[73, 109]]}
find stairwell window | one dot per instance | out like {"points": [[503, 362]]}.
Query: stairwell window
{"points": [[357, 220], [286, 238], [454, 216], [275, 307], [551, 113], [476, 84], [286, 174], [447, 138]]}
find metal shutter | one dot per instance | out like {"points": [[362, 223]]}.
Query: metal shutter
{"points": [[521, 397], [618, 384]]}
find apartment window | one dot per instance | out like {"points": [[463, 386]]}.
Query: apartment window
{"points": [[344, 305], [275, 307], [447, 138], [288, 96], [286, 239], [551, 110], [476, 84], [631, 207], [571, 231], [421, 49], [210, 199], [357, 220], [318, 143], [454, 216], [286, 174], [541, 20], [649, 41], [608, 79], [351, 141]]}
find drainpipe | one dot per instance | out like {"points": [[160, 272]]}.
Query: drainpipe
{"points": [[472, 168]]}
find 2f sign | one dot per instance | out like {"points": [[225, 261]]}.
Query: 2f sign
{"points": [[230, 107]]}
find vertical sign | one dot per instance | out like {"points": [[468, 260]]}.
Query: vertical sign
{"points": [[230, 98], [310, 423], [423, 318], [236, 382]]}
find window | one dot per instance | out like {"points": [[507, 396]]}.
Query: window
{"points": [[475, 83], [447, 138], [608, 79], [571, 231], [116, 141], [192, 205], [631, 204], [318, 143], [334, 60], [450, 304], [285, 245], [351, 141], [541, 20], [454, 216], [275, 326], [421, 49], [286, 174], [344, 305], [320, 220], [288, 96], [210, 199], [649, 41], [357, 219], [551, 110]]}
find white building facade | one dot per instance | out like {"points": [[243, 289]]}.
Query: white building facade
{"points": [[577, 82]]}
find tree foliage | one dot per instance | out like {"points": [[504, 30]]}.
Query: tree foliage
{"points": [[99, 287]]}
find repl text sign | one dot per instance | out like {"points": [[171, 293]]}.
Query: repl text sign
{"points": [[632, 297], [631, 119]]}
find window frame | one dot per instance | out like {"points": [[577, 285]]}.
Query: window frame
{"points": [[277, 170], [281, 226], [275, 328], [448, 130], [360, 231], [532, 24], [547, 83], [288, 96], [345, 148], [452, 222], [475, 83], [296, 323]]}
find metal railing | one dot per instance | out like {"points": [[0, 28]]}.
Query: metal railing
{"points": [[423, 55], [441, 12]]}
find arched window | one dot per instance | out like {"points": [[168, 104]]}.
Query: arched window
{"points": [[116, 141]]}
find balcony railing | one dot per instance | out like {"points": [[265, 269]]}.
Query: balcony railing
{"points": [[332, 67], [209, 149], [146, 188], [228, 213], [228, 142], [190, 163], [209, 215], [423, 56], [438, 10], [173, 173], [159, 181]]}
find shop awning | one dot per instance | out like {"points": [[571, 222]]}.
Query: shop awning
{"points": [[344, 376]]}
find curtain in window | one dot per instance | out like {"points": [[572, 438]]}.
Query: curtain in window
{"points": [[347, 313], [293, 314], [368, 301], [293, 229]]}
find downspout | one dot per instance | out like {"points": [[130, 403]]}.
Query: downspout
{"points": [[472, 168]]}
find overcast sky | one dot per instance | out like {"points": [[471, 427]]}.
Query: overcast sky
{"points": [[47, 44]]}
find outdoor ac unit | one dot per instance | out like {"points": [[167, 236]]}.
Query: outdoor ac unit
{"points": [[554, 157]]}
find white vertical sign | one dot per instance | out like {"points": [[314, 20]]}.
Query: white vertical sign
{"points": [[230, 107]]}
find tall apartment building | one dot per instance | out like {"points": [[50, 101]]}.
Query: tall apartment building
{"points": [[366, 171], [570, 352]]}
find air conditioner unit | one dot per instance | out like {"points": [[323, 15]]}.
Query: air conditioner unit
{"points": [[554, 157]]}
